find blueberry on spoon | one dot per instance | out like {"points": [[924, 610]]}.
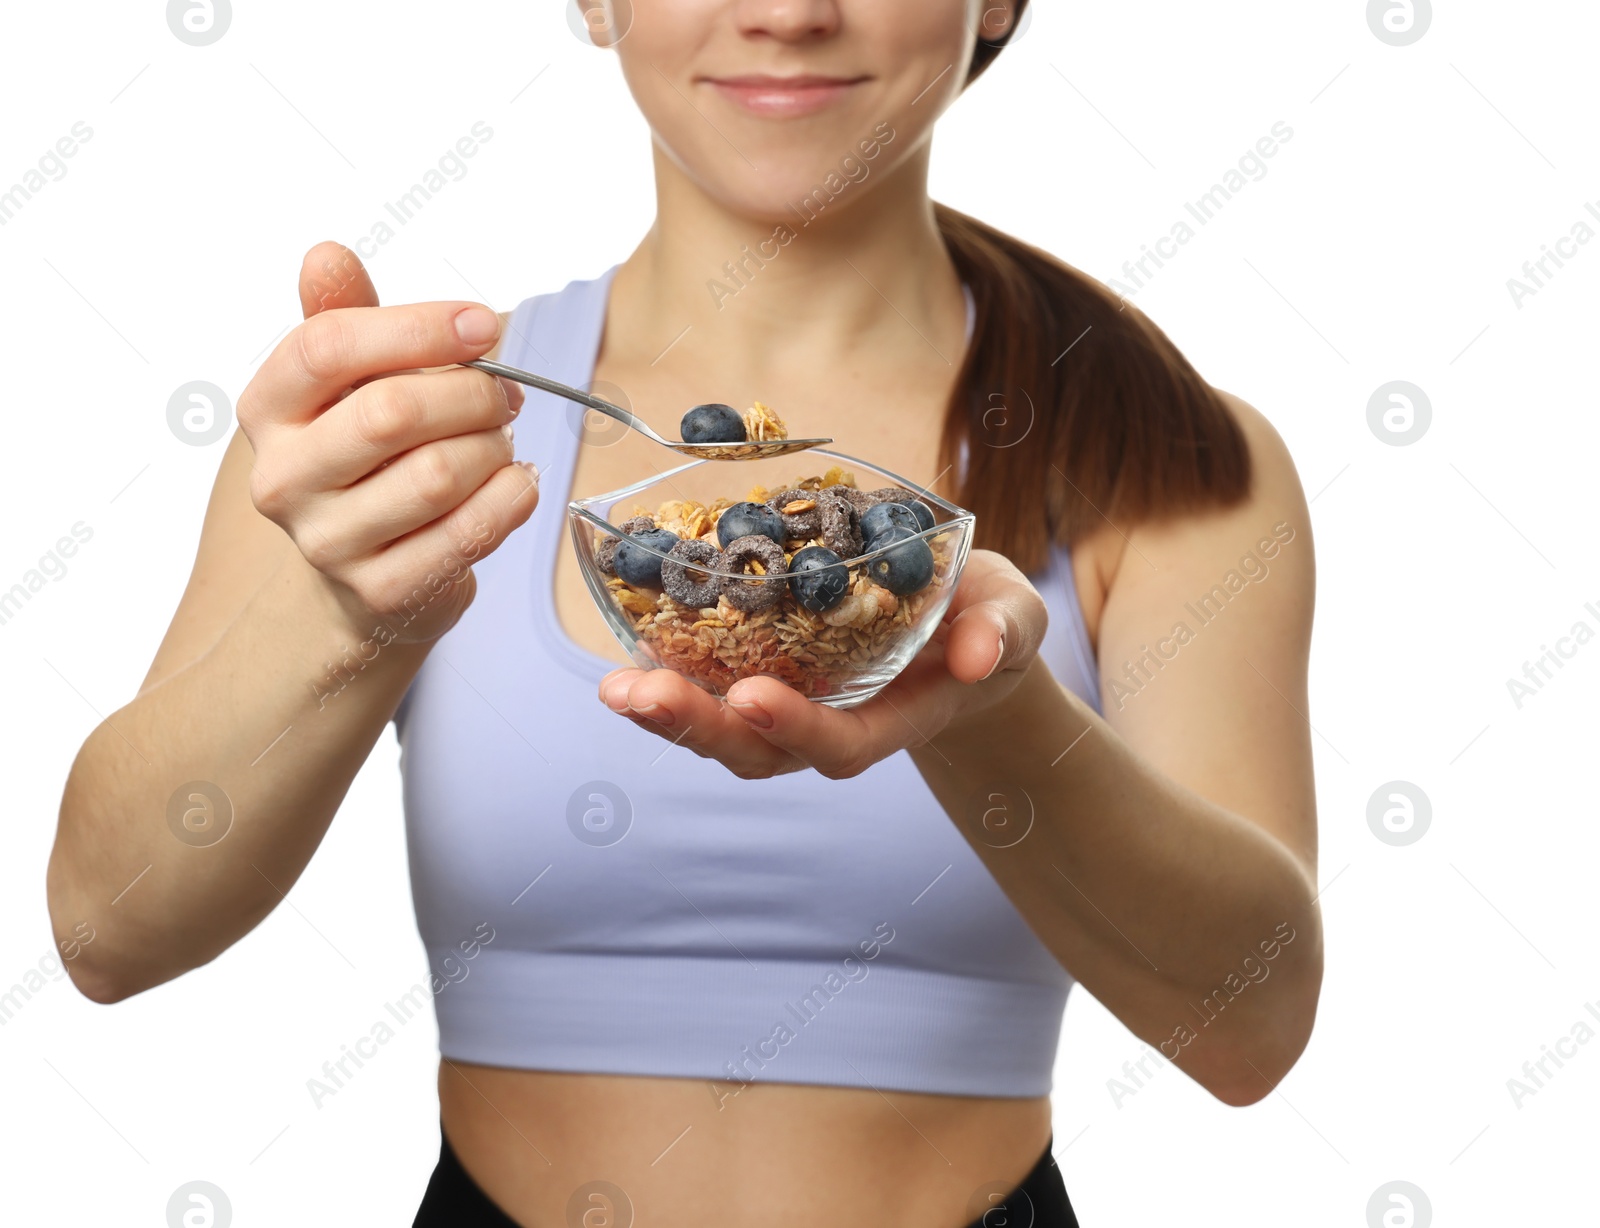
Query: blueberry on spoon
{"points": [[712, 424]]}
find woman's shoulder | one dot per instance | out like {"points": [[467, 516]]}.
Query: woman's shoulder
{"points": [[1275, 480], [1122, 557], [1274, 495]]}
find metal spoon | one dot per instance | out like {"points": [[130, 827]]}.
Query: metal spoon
{"points": [[755, 449]]}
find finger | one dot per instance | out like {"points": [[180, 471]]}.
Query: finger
{"points": [[614, 688], [410, 574], [334, 350], [391, 416], [614, 694], [837, 743], [680, 712], [418, 488], [661, 707], [515, 394], [997, 619], [333, 276]]}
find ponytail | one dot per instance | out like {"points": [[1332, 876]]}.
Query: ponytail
{"points": [[1072, 408]]}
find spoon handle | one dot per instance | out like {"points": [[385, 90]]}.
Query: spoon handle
{"points": [[562, 390]]}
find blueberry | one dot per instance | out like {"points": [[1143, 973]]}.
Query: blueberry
{"points": [[923, 513], [712, 424], [747, 519], [636, 565], [881, 517], [817, 579], [903, 568]]}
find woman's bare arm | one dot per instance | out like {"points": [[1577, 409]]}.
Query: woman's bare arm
{"points": [[1170, 857], [191, 811], [1171, 863]]}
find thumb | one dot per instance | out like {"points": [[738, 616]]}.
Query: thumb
{"points": [[997, 619], [333, 276]]}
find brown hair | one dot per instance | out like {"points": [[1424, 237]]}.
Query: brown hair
{"points": [[1073, 408]]}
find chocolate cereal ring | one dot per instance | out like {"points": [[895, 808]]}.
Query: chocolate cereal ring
{"points": [[692, 554], [891, 494], [605, 554], [841, 524], [753, 593], [859, 499], [804, 522]]}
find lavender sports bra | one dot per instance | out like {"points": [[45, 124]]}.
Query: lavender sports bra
{"points": [[647, 912]]}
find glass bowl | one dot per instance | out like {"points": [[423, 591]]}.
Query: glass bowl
{"points": [[841, 656]]}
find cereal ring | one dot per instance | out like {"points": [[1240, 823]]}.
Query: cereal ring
{"points": [[891, 494], [859, 499], [841, 524], [804, 523], [605, 554], [692, 554], [752, 594]]}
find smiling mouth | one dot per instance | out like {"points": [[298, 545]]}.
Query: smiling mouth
{"points": [[803, 94]]}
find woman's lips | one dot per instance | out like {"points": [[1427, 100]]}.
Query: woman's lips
{"points": [[782, 97]]}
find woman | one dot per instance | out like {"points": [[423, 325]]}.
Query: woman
{"points": [[821, 980]]}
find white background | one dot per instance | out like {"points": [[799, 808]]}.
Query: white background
{"points": [[1377, 248]]}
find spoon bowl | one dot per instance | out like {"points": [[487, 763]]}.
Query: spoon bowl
{"points": [[752, 449]]}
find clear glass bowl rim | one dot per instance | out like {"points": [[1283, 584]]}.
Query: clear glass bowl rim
{"points": [[959, 517]]}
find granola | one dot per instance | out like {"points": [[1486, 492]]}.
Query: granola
{"points": [[816, 652], [761, 424]]}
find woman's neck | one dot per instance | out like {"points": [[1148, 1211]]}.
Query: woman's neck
{"points": [[868, 273]]}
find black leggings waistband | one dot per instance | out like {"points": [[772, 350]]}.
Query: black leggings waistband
{"points": [[454, 1200]]}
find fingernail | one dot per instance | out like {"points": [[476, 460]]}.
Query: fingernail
{"points": [[476, 325], [998, 657], [655, 712], [532, 469], [753, 713], [508, 433]]}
